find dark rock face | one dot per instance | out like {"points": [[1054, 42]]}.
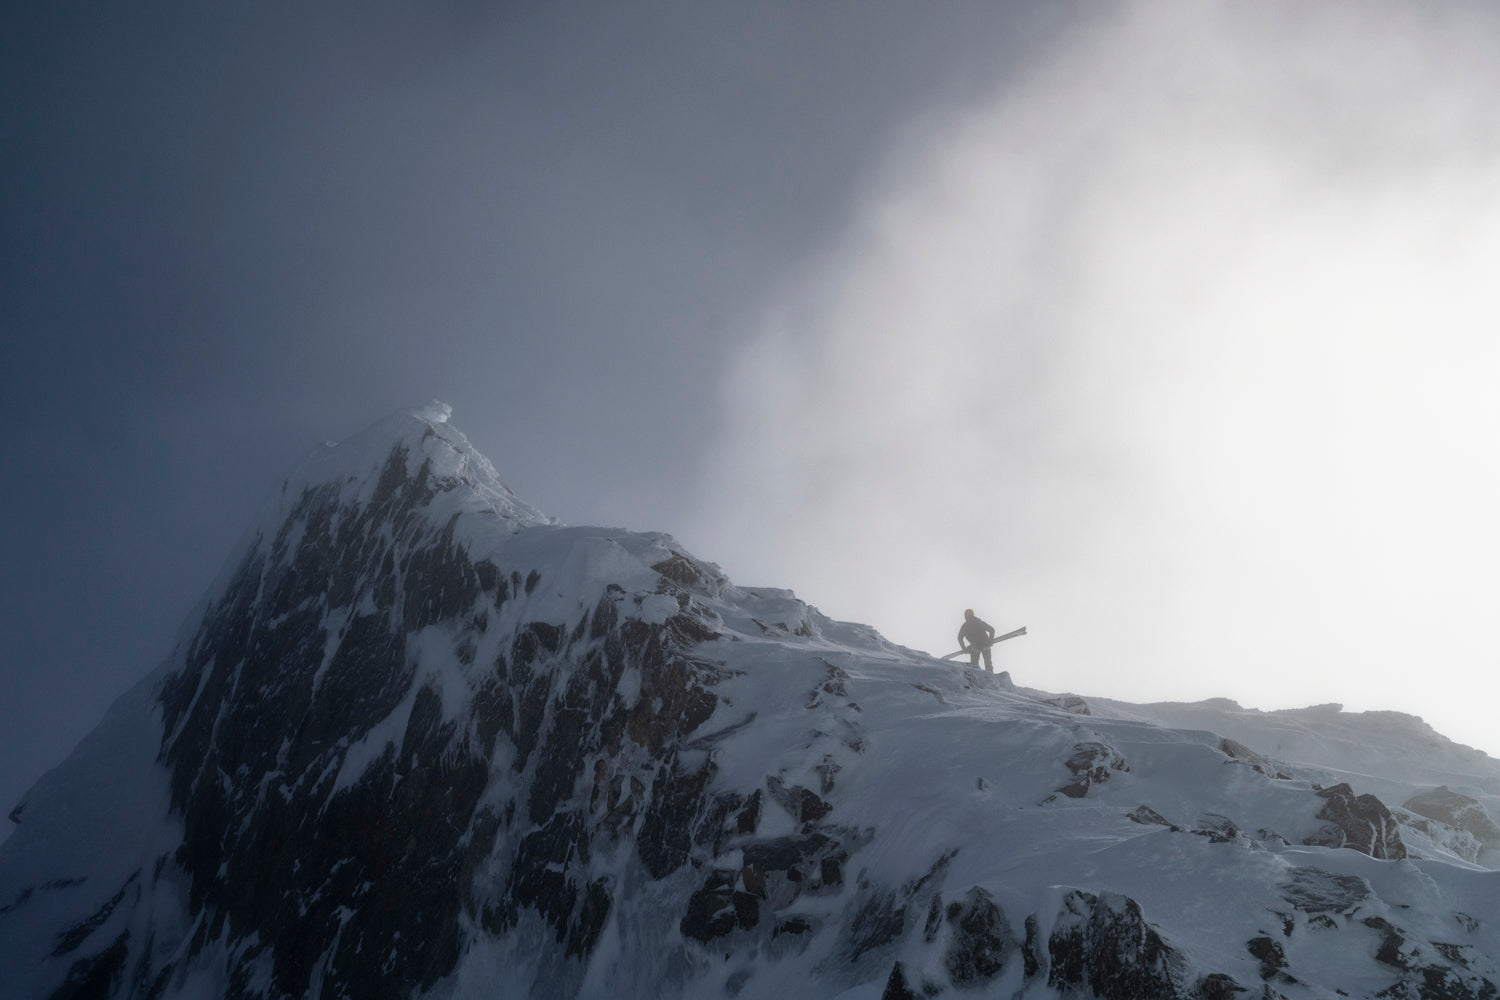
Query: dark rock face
{"points": [[877, 921], [1438, 983], [1393, 949], [1147, 816], [775, 875], [803, 803], [1449, 978], [1099, 946], [1218, 986], [98, 976], [719, 908], [1103, 944], [1091, 764], [310, 647], [260, 701], [1238, 751], [690, 574], [1426, 970], [1218, 829], [897, 988], [980, 939], [880, 916], [1268, 951], [1361, 823]]}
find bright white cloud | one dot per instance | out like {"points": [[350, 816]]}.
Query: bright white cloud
{"points": [[1181, 350]]}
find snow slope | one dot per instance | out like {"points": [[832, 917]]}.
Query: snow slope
{"points": [[422, 740], [1391, 750]]}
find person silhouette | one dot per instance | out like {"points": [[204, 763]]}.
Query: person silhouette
{"points": [[976, 636]]}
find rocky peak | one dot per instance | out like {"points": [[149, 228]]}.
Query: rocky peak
{"points": [[391, 696]]}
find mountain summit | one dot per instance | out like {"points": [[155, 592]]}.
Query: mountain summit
{"points": [[422, 740]]}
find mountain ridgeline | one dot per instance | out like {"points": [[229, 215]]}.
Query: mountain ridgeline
{"points": [[422, 740]]}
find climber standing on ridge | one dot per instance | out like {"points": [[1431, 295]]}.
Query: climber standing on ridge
{"points": [[975, 636]]}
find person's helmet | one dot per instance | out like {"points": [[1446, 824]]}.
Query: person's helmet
{"points": [[968, 612]]}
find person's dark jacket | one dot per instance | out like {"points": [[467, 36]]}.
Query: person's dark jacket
{"points": [[975, 632]]}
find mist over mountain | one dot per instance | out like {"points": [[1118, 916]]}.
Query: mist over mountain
{"points": [[422, 740]]}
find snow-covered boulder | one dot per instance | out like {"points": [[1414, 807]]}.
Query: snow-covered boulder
{"points": [[1455, 809], [1360, 822]]}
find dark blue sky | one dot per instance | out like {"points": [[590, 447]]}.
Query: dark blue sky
{"points": [[233, 231]]}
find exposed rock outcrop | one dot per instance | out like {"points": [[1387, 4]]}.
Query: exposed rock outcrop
{"points": [[1457, 810], [1263, 764], [1090, 765], [350, 855], [1102, 944], [1359, 822], [980, 940]]}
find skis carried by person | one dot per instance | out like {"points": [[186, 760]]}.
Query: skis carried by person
{"points": [[998, 638]]}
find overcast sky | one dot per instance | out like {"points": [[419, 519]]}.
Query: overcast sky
{"points": [[1164, 330]]}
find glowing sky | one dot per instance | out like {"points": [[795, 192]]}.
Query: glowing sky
{"points": [[1180, 351]]}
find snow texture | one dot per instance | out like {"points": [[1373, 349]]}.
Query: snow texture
{"points": [[423, 740]]}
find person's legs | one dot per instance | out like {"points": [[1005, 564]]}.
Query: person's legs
{"points": [[988, 665]]}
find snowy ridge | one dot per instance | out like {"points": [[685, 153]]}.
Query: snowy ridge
{"points": [[424, 741], [1391, 749]]}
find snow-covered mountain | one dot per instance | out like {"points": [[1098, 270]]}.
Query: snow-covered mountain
{"points": [[422, 740]]}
